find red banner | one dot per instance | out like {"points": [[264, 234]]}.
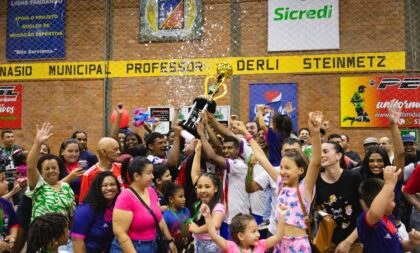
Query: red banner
{"points": [[11, 106], [365, 99]]}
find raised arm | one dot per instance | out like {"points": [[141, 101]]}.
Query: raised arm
{"points": [[224, 131], [314, 124], [174, 156], [42, 135], [213, 140], [380, 203], [196, 165], [218, 160], [116, 125], [257, 151], [394, 114], [260, 117], [211, 228], [274, 239]]}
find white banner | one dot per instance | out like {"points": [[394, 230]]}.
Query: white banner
{"points": [[303, 25]]}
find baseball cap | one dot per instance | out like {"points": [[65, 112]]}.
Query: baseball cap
{"points": [[408, 138], [371, 140]]}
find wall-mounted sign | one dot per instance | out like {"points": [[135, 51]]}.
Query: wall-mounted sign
{"points": [[35, 29], [303, 25]]}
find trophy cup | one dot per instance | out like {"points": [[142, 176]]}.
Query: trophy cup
{"points": [[207, 102]]}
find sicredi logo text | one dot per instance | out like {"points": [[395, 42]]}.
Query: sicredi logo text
{"points": [[293, 14]]}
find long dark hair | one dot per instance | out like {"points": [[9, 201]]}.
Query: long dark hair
{"points": [[365, 170], [46, 229], [95, 197], [217, 196], [169, 189], [282, 124], [131, 166]]}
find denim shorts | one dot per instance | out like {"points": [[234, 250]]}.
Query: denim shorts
{"points": [[206, 246], [139, 246]]}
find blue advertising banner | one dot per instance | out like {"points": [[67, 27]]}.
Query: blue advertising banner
{"points": [[274, 95], [35, 29]]}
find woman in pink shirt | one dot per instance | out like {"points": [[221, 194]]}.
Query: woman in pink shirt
{"points": [[133, 224]]}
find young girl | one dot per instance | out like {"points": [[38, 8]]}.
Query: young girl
{"points": [[209, 192], [177, 214], [48, 232], [161, 174], [296, 183], [245, 233]]}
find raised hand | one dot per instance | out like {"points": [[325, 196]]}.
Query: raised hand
{"points": [[198, 145], [200, 129], [414, 236], [204, 210], [289, 108], [204, 118], [239, 126], [119, 108], [391, 175], [43, 133], [281, 211], [315, 121], [394, 113]]}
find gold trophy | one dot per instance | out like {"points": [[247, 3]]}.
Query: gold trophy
{"points": [[207, 102]]}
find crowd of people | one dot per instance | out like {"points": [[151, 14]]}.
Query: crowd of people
{"points": [[241, 187]]}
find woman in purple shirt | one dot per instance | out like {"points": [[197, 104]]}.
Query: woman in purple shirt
{"points": [[92, 225]]}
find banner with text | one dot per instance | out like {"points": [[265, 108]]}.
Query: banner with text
{"points": [[35, 29], [365, 99], [11, 106], [320, 63], [303, 25], [274, 95]]}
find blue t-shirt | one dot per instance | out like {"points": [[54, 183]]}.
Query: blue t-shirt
{"points": [[94, 228], [274, 141], [175, 224], [9, 216], [378, 238]]}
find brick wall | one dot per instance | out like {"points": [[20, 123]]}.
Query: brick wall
{"points": [[365, 26]]}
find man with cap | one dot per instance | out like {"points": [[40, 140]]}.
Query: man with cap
{"points": [[370, 142], [411, 154]]}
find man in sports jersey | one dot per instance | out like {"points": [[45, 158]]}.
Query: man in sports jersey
{"points": [[235, 196], [108, 152]]}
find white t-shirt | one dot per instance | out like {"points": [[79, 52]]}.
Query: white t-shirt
{"points": [[155, 160], [264, 180], [256, 198], [238, 198]]}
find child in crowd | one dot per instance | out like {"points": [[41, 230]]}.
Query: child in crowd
{"points": [[209, 192], [376, 230], [161, 174], [177, 214], [48, 232], [245, 233], [296, 185]]}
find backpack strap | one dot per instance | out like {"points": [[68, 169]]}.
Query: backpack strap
{"points": [[305, 214]]}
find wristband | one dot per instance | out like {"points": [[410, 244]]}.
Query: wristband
{"points": [[250, 137], [170, 240]]}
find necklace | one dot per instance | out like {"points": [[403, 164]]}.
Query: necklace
{"points": [[252, 250]]}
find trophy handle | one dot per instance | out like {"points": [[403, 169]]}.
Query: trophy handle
{"points": [[206, 84], [223, 94]]}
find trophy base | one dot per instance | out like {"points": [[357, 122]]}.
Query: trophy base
{"points": [[200, 103]]}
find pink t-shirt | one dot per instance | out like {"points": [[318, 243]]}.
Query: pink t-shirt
{"points": [[143, 225], [219, 207], [259, 248]]}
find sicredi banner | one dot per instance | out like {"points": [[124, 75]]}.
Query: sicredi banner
{"points": [[303, 25], [365, 100]]}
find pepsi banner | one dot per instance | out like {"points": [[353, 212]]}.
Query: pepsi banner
{"points": [[35, 29], [276, 96]]}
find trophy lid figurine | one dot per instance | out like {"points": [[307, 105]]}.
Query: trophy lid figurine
{"points": [[207, 102]]}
